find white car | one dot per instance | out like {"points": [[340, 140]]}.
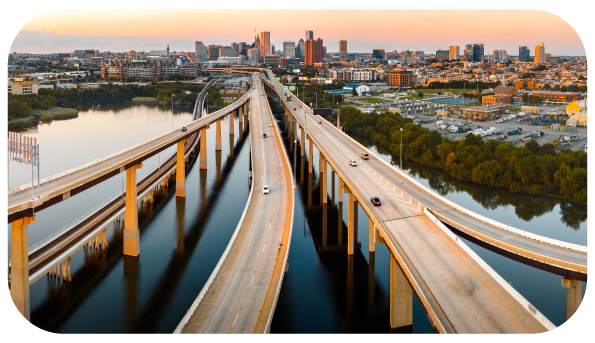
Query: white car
{"points": [[353, 163], [265, 190], [270, 124]]}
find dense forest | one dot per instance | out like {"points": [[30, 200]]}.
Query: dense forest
{"points": [[532, 169], [21, 106]]}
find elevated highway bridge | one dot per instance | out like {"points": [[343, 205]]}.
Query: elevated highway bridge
{"points": [[459, 292]]}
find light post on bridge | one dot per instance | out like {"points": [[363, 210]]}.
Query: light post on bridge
{"points": [[172, 112]]}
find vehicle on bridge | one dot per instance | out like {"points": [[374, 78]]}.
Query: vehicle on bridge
{"points": [[375, 201], [265, 190], [353, 163], [365, 156], [184, 129], [264, 135]]}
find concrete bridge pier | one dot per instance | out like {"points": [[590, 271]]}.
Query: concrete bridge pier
{"points": [[309, 155], [131, 233], [323, 194], [19, 270], [231, 126], [303, 142], [575, 295], [351, 221], [241, 115], [218, 135], [340, 195], [332, 185], [401, 297], [372, 237], [203, 148], [180, 170]]}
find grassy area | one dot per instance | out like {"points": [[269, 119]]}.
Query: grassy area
{"points": [[372, 100], [412, 96], [56, 113], [144, 99], [454, 90], [21, 122]]}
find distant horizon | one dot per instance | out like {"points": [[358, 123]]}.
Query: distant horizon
{"points": [[124, 30]]}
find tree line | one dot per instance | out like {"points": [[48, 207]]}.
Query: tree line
{"points": [[20, 106], [532, 169]]}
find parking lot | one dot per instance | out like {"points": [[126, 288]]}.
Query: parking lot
{"points": [[548, 137]]}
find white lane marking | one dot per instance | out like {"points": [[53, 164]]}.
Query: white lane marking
{"points": [[270, 225], [252, 279], [265, 243], [234, 322]]}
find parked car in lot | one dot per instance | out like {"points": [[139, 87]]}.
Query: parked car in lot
{"points": [[365, 156], [375, 201], [353, 163], [266, 190]]}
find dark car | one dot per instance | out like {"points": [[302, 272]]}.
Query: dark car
{"points": [[294, 108], [264, 135], [184, 129], [375, 201]]}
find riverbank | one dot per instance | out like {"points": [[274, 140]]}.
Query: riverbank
{"points": [[55, 113], [144, 100]]}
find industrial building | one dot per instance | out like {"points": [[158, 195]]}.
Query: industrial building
{"points": [[484, 113]]}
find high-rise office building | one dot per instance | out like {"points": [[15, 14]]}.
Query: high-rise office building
{"points": [[500, 56], [314, 51], [469, 52], [254, 56], [540, 56], [289, 49], [235, 46], [453, 52], [378, 53], [242, 47], [309, 35], [301, 48], [343, 50], [265, 43], [478, 52], [442, 55], [213, 52], [201, 52], [524, 54]]}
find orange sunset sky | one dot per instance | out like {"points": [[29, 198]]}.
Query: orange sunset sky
{"points": [[364, 30]]}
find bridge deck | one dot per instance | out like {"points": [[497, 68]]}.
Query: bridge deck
{"points": [[241, 294]]}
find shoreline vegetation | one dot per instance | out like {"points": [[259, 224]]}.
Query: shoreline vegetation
{"points": [[532, 169], [52, 104]]}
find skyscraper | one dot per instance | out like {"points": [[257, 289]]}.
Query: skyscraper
{"points": [[309, 35], [314, 51], [302, 50], [524, 54], [343, 50], [289, 49], [442, 55], [235, 46], [469, 52], [201, 52], [241, 47], [453, 52], [500, 56], [540, 56], [378, 53], [265, 43], [478, 52]]}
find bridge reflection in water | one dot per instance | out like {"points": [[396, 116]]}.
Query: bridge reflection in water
{"points": [[111, 292], [344, 293]]}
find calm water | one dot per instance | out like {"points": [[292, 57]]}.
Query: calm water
{"points": [[183, 239]]}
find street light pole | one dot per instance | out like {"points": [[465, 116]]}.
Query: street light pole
{"points": [[172, 112]]}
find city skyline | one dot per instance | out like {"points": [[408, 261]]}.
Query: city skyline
{"points": [[63, 31]]}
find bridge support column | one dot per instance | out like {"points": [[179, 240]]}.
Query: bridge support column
{"points": [[131, 233], [332, 185], [241, 115], [231, 126], [19, 269], [351, 236], [340, 195], [303, 143], [203, 148], [180, 170], [218, 135], [401, 297], [323, 193], [372, 237], [310, 155], [575, 295]]}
